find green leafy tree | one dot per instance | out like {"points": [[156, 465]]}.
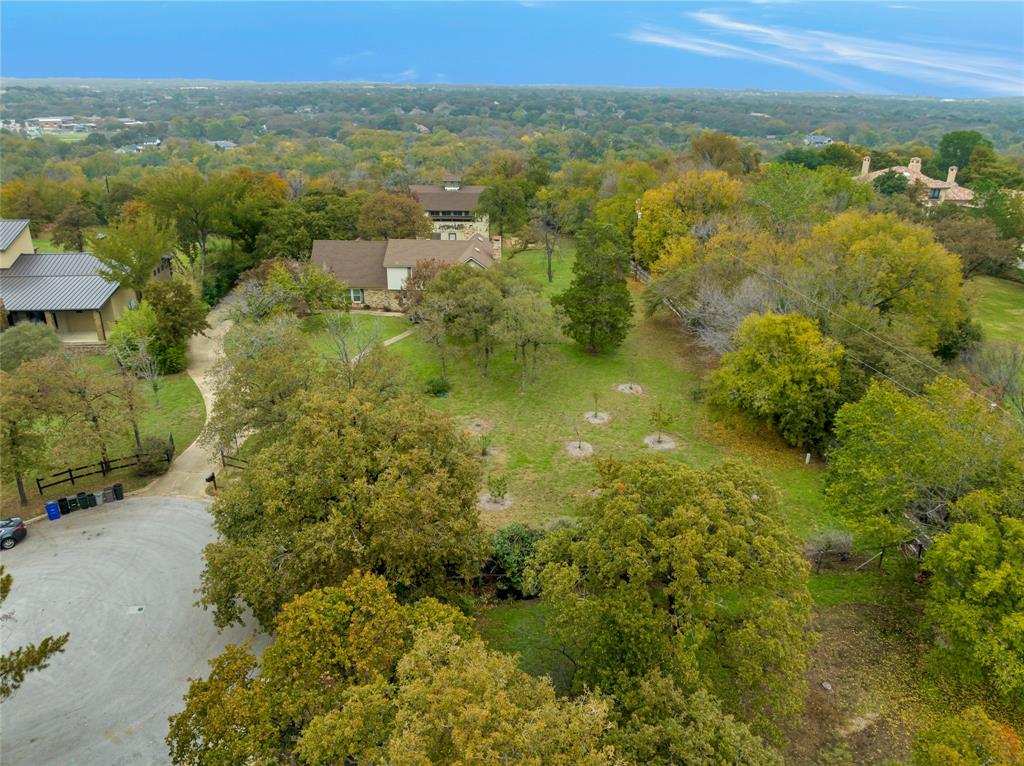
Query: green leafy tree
{"points": [[386, 215], [403, 679], [289, 231], [955, 148], [891, 182], [788, 196], [264, 366], [29, 398], [784, 371], [690, 572], [25, 341], [131, 250], [720, 151], [660, 724], [350, 482], [182, 197], [979, 244], [976, 587], [70, 226], [970, 738], [514, 546], [180, 313], [353, 633], [19, 662], [504, 202], [597, 306], [902, 462], [528, 326]]}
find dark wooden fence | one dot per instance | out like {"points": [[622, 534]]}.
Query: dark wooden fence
{"points": [[103, 467], [233, 461]]}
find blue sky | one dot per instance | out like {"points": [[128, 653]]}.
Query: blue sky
{"points": [[949, 49]]}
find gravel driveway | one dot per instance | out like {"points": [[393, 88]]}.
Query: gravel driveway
{"points": [[121, 578]]}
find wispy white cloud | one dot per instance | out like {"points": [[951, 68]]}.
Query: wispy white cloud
{"points": [[814, 52]]}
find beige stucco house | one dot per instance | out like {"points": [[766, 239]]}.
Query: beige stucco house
{"points": [[375, 271], [937, 191], [64, 290], [453, 209]]}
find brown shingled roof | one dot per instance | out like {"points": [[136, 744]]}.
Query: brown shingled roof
{"points": [[362, 263], [356, 262], [432, 197]]}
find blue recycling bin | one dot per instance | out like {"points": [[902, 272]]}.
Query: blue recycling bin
{"points": [[52, 510]]}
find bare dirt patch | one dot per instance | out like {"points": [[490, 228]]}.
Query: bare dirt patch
{"points": [[660, 442], [486, 502], [578, 449], [631, 389], [597, 418]]}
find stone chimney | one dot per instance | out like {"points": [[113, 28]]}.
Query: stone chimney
{"points": [[915, 164], [865, 166], [951, 175]]}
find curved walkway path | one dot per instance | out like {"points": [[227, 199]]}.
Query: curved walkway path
{"points": [[187, 474]]}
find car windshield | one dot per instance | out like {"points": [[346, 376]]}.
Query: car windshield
{"points": [[9, 522]]}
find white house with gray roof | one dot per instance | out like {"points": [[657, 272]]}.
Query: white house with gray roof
{"points": [[64, 290]]}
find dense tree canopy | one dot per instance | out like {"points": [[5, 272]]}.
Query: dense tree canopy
{"points": [[355, 677], [902, 462], [784, 371], [976, 588], [685, 571], [350, 482]]}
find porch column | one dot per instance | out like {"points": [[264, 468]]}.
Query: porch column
{"points": [[48, 315], [97, 320]]}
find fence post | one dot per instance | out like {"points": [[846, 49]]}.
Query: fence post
{"points": [[39, 486]]}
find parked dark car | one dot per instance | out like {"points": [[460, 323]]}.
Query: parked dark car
{"points": [[12, 532]]}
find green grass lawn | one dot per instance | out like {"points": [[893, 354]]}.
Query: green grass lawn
{"points": [[177, 409], [1000, 308], [531, 430], [379, 327]]}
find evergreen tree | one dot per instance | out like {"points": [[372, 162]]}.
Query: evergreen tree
{"points": [[597, 307]]}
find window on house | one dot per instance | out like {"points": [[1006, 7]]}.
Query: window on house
{"points": [[355, 294], [935, 193], [452, 235]]}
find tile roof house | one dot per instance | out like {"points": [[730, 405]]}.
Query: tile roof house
{"points": [[452, 208], [375, 270], [937, 191], [64, 290]]}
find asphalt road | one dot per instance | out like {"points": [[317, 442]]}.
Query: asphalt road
{"points": [[121, 578]]}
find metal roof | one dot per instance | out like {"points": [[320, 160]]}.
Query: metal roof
{"points": [[9, 231], [54, 282]]}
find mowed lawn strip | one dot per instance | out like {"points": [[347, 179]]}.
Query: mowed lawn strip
{"points": [[1000, 308]]}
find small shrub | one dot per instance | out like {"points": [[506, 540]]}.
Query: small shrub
{"points": [[497, 487], [514, 547], [438, 386], [24, 342], [486, 440], [151, 460], [171, 358]]}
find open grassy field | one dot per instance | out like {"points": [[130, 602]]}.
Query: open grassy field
{"points": [[365, 324], [176, 409], [1000, 308], [530, 430]]}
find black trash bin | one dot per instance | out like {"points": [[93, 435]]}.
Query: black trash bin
{"points": [[72, 503], [119, 492], [83, 500], [62, 504]]}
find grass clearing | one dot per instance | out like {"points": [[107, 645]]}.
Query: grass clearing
{"points": [[530, 430], [1000, 308]]}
